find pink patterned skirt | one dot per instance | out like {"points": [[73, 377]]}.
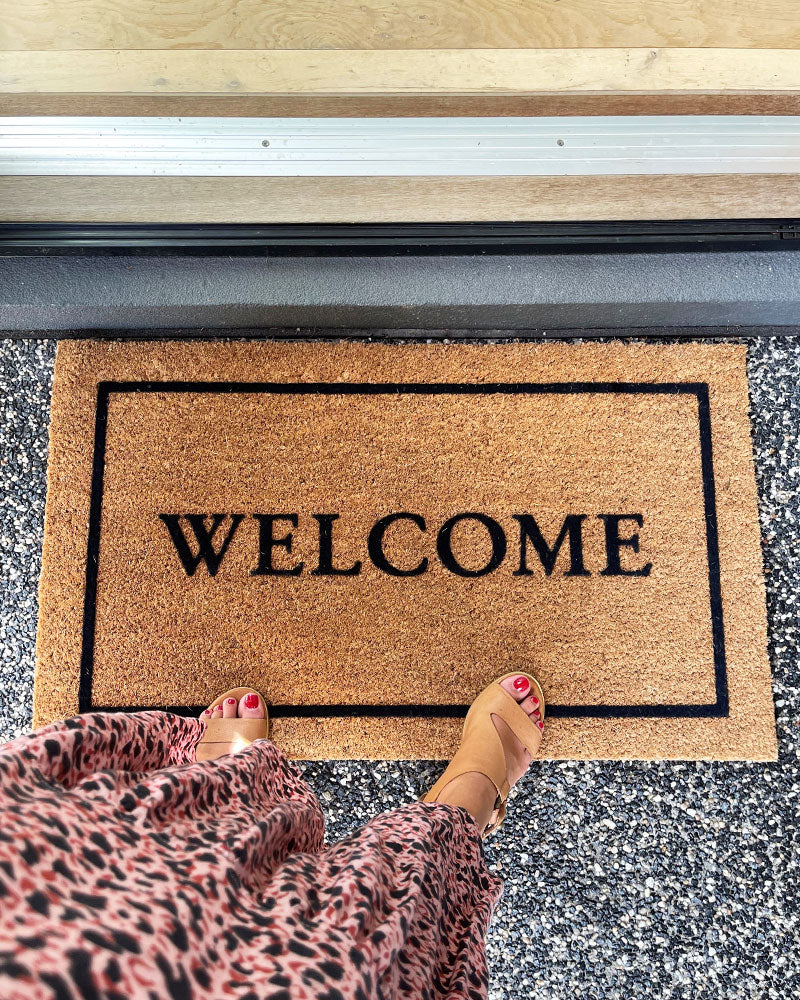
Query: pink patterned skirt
{"points": [[128, 870]]}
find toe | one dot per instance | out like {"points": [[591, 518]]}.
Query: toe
{"points": [[531, 705], [518, 686], [229, 707], [251, 707], [216, 713], [206, 714]]}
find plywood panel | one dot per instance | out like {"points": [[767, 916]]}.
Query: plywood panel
{"points": [[410, 71], [395, 199], [396, 24]]}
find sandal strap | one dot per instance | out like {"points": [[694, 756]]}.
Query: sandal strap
{"points": [[498, 820], [465, 762], [227, 730]]}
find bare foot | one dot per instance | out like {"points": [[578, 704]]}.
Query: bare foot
{"points": [[474, 791], [248, 707]]}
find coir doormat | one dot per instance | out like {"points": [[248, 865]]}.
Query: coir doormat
{"points": [[369, 534]]}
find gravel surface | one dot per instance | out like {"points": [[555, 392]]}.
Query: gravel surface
{"points": [[623, 880], [26, 377]]}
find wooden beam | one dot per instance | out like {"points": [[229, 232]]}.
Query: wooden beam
{"points": [[414, 105], [397, 24], [430, 72], [396, 199]]}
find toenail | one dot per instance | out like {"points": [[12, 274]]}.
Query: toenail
{"points": [[251, 701], [535, 702], [521, 684], [231, 701], [540, 725], [536, 714]]}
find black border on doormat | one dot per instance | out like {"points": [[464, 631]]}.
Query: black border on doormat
{"points": [[719, 708]]}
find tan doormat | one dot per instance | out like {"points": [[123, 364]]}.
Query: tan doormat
{"points": [[369, 534]]}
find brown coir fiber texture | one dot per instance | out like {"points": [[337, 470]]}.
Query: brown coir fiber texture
{"points": [[368, 632]]}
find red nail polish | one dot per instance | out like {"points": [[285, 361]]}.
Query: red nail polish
{"points": [[540, 725], [535, 701], [521, 684], [536, 715], [231, 701], [251, 701], [207, 712]]}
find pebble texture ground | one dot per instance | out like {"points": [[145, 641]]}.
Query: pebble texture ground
{"points": [[623, 880]]}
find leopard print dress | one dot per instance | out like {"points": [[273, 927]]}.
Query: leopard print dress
{"points": [[128, 870]]}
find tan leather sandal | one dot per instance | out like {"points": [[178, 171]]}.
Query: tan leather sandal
{"points": [[223, 736], [481, 748]]}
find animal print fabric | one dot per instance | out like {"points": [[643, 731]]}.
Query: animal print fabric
{"points": [[128, 870]]}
